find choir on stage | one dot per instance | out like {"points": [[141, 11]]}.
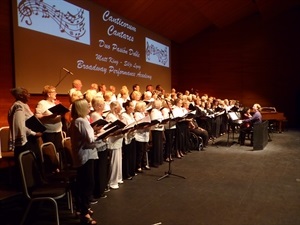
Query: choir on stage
{"points": [[116, 135]]}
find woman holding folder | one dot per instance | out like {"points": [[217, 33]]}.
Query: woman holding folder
{"points": [[101, 163], [129, 145], [114, 143], [21, 137], [52, 121], [142, 137]]}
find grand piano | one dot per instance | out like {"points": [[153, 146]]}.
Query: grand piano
{"points": [[270, 113]]}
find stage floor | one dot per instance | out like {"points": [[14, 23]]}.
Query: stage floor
{"points": [[224, 185]]}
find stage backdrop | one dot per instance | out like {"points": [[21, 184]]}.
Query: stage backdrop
{"points": [[58, 41]]}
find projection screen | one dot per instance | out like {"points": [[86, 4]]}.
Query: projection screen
{"points": [[58, 41]]}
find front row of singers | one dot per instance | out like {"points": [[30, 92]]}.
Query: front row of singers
{"points": [[129, 153]]}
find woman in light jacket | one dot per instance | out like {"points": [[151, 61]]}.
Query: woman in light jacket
{"points": [[85, 152]]}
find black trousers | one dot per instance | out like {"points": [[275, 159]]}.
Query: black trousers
{"points": [[129, 159], [101, 173], [182, 136], [202, 133], [141, 148], [84, 186], [55, 138], [156, 152], [169, 146]]}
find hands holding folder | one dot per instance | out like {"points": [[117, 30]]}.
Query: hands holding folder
{"points": [[59, 109]]}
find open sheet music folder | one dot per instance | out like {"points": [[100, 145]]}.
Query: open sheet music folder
{"points": [[100, 122], [190, 115], [186, 117], [234, 118], [35, 124], [111, 129], [117, 123], [59, 109]]}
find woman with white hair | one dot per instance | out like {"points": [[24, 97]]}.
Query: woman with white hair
{"points": [[156, 152], [142, 138], [256, 118], [114, 144]]}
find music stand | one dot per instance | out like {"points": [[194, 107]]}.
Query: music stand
{"points": [[62, 78], [169, 172], [233, 122]]}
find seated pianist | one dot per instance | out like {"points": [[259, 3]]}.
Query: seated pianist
{"points": [[247, 124]]}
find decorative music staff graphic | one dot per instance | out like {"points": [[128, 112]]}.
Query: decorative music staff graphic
{"points": [[161, 54], [68, 23]]}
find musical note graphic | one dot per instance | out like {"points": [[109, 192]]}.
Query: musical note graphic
{"points": [[71, 24], [161, 54]]}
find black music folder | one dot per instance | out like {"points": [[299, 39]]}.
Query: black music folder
{"points": [[186, 117], [112, 129], [100, 122], [117, 123], [35, 124], [140, 124], [143, 123], [129, 127], [164, 121], [190, 115], [59, 109]]}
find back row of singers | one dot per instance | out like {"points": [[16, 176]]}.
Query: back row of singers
{"points": [[175, 134]]}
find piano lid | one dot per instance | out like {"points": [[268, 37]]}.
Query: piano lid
{"points": [[268, 109]]}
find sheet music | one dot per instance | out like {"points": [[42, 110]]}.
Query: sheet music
{"points": [[233, 116]]}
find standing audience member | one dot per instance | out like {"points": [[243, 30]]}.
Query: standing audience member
{"points": [[85, 153]]}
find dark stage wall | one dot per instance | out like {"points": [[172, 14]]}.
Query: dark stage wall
{"points": [[255, 60]]}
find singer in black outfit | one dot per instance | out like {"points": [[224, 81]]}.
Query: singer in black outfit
{"points": [[129, 143], [156, 152], [170, 128], [100, 164]]}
